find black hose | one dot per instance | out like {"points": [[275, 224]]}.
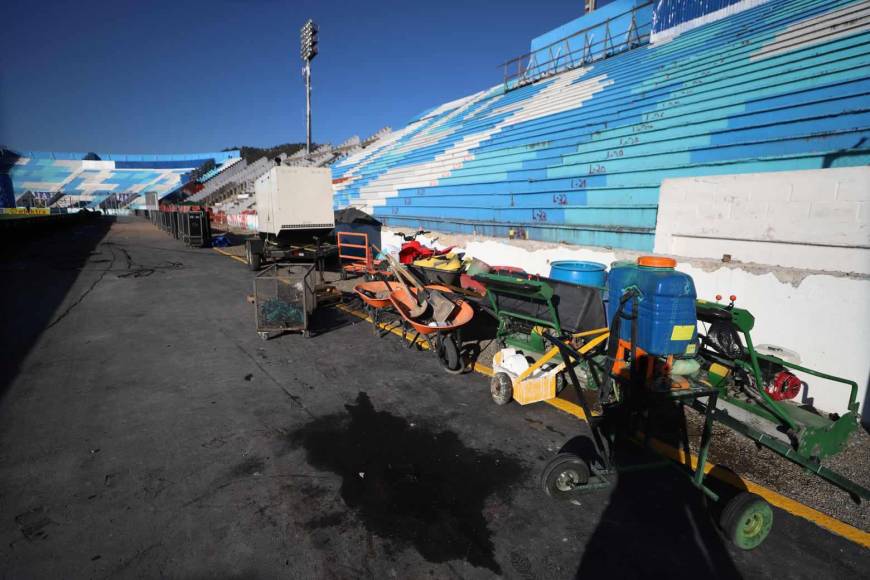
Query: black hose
{"points": [[613, 342]]}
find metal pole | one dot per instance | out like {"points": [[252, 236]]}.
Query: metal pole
{"points": [[308, 106]]}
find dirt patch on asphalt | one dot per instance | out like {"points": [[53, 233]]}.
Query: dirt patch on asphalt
{"points": [[410, 483]]}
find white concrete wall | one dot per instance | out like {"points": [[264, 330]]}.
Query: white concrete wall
{"points": [[823, 317], [812, 220]]}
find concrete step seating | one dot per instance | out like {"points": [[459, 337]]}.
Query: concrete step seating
{"points": [[579, 156]]}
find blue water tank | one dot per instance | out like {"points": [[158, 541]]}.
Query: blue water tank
{"points": [[667, 322], [582, 273]]}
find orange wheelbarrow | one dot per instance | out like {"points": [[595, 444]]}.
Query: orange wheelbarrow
{"points": [[376, 297], [444, 339]]}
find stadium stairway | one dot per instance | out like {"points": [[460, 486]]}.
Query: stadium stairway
{"points": [[579, 157], [219, 169]]}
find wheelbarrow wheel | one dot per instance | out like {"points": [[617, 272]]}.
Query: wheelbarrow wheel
{"points": [[501, 387], [374, 314], [565, 476], [747, 520], [448, 354]]}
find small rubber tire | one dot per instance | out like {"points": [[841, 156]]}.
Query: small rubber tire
{"points": [[501, 387], [746, 520], [254, 259], [448, 354], [564, 476], [373, 314], [561, 382], [263, 335]]}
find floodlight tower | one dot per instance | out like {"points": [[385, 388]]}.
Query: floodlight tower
{"points": [[309, 51]]}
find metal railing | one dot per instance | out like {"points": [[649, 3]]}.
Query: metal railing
{"points": [[559, 56]]}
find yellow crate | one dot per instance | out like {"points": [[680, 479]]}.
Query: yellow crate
{"points": [[540, 387], [533, 390]]}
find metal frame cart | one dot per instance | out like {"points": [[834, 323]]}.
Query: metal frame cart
{"points": [[284, 299]]}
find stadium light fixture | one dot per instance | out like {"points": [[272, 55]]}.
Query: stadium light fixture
{"points": [[308, 50]]}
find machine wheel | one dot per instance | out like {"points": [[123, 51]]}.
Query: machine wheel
{"points": [[501, 387], [561, 381], [263, 335], [747, 520], [564, 476], [254, 260], [373, 314], [448, 354]]}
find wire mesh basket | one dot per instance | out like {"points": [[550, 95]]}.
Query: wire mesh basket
{"points": [[284, 298]]}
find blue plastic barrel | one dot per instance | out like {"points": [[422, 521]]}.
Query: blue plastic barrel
{"points": [[666, 322], [580, 273], [621, 277]]}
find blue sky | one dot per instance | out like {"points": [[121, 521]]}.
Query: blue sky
{"points": [[185, 76]]}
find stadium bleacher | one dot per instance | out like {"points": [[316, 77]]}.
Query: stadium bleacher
{"points": [[232, 193], [219, 169], [579, 156], [87, 180]]}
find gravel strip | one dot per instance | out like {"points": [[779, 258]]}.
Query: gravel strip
{"points": [[762, 466]]}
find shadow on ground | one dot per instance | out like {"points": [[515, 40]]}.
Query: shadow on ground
{"points": [[37, 273], [655, 519], [410, 482]]}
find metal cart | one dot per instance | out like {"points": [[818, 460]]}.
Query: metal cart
{"points": [[284, 299]]}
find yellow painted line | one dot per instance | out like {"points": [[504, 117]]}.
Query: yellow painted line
{"points": [[382, 325], [789, 505], [228, 255], [567, 407], [483, 369], [785, 503]]}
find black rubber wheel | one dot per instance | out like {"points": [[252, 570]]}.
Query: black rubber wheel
{"points": [[561, 381], [373, 314], [564, 476], [747, 520], [501, 387], [448, 354], [254, 260]]}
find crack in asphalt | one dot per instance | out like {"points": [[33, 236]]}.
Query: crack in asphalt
{"points": [[84, 295], [293, 397]]}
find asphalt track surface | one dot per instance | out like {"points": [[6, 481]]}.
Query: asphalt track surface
{"points": [[146, 430]]}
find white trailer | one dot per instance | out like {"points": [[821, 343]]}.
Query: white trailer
{"points": [[294, 198], [294, 213]]}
